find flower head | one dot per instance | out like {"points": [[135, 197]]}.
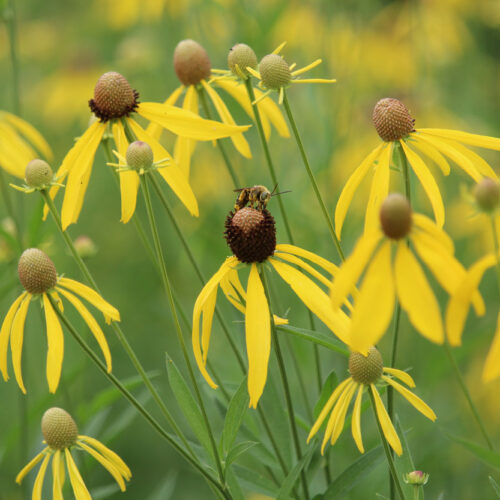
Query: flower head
{"points": [[39, 278], [366, 372], [416, 478], [241, 57], [395, 126], [401, 275], [61, 435], [38, 176], [487, 195]]}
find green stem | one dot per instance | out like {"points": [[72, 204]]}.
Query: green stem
{"points": [[496, 247], [220, 145], [387, 450], [416, 495], [328, 219], [170, 297], [10, 209], [286, 386], [467, 395], [10, 20]]}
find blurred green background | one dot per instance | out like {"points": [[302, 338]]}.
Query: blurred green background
{"points": [[439, 57]]}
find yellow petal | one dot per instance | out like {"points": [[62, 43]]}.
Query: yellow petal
{"points": [[436, 232], [427, 181], [412, 398], [305, 266], [240, 143], [401, 375], [171, 172], [120, 137], [5, 334], [184, 147], [27, 468], [340, 420], [16, 339], [37, 487], [186, 124], [206, 323], [385, 422], [55, 341], [416, 296], [270, 110], [56, 477], [432, 153], [356, 420], [482, 141], [375, 303], [351, 185], [491, 368], [379, 189], [91, 296], [92, 324], [79, 488], [315, 299], [320, 261], [351, 269], [258, 336], [154, 129]]}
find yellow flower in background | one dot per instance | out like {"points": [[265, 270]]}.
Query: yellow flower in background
{"points": [[366, 371], [20, 143], [60, 433], [38, 276], [114, 101], [401, 276], [396, 127], [251, 235]]}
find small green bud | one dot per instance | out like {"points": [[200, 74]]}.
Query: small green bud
{"points": [[38, 173], [275, 72], [139, 155], [416, 477], [366, 369], [85, 247], [487, 194], [241, 55], [59, 429]]}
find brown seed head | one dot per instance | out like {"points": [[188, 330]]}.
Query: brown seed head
{"points": [[366, 369], [59, 429], [139, 155], [392, 119], [396, 216], [243, 56], [191, 62], [251, 234], [275, 72], [113, 97], [37, 272], [487, 194], [38, 173]]}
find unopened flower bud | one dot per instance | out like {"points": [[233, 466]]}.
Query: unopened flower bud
{"points": [[38, 173], [366, 369], [396, 216], [487, 194], [139, 155], [241, 55], [392, 119], [59, 429], [274, 72], [37, 272], [191, 62], [416, 477], [85, 247]]}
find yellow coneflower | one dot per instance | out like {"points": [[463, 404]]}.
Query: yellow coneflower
{"points": [[385, 277], [20, 143], [60, 433], [395, 126], [114, 102], [38, 276], [251, 235], [366, 372]]}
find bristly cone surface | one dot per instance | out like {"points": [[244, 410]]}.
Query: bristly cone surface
{"points": [[366, 369], [392, 119], [59, 429], [251, 234], [37, 272]]}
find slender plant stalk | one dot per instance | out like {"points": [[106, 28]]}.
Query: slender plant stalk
{"points": [[310, 173], [286, 387], [10, 20], [220, 145], [496, 247], [4, 188]]}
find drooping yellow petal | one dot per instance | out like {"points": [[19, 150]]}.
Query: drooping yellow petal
{"points": [[240, 143], [432, 153], [427, 181], [414, 400], [436, 232], [154, 129], [171, 173], [385, 422], [350, 271], [27, 468], [79, 488], [56, 476], [416, 296], [37, 487], [356, 420], [91, 296], [379, 189], [258, 336], [207, 312], [305, 266], [351, 185], [186, 124], [315, 299], [55, 341], [92, 324], [459, 303], [340, 420], [375, 303], [491, 368], [300, 252], [184, 147], [16, 153], [482, 141], [401, 375], [16, 339], [5, 334]]}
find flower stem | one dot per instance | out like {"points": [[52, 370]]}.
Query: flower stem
{"points": [[220, 145], [10, 209], [286, 387], [416, 495], [9, 16], [467, 395], [496, 247], [178, 329], [387, 450], [305, 161]]}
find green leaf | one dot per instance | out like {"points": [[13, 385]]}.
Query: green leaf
{"points": [[188, 405], [238, 450], [495, 486], [254, 481], [330, 383], [293, 475], [234, 416], [489, 457], [166, 488], [356, 472], [234, 486], [323, 339]]}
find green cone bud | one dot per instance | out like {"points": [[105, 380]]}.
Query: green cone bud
{"points": [[139, 155], [37, 272], [487, 194], [396, 216], [38, 173], [366, 369], [191, 62], [59, 429], [241, 55], [275, 72]]}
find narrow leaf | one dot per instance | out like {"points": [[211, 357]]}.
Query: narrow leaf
{"points": [[489, 457], [238, 450], [323, 339], [293, 475], [234, 416], [254, 481], [330, 383], [495, 486]]}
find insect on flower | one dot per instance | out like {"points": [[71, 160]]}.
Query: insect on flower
{"points": [[258, 194]]}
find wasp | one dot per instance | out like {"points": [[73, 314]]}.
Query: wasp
{"points": [[258, 195]]}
